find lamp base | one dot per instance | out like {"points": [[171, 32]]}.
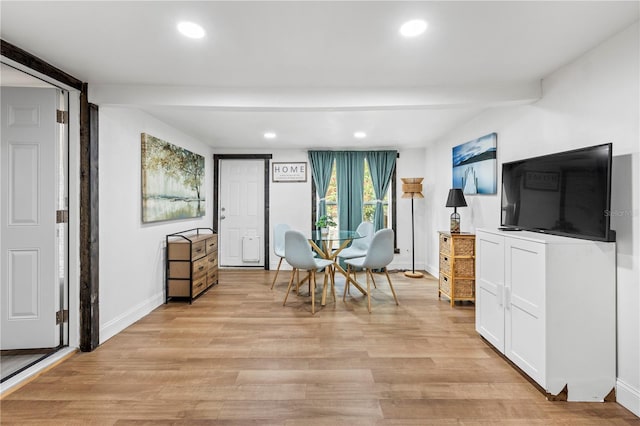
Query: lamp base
{"points": [[413, 274], [454, 226]]}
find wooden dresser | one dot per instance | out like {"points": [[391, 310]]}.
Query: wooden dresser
{"points": [[457, 266], [192, 263]]}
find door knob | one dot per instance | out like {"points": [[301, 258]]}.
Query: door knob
{"points": [[222, 217]]}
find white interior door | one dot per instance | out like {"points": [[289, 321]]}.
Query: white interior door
{"points": [[28, 249], [241, 215]]}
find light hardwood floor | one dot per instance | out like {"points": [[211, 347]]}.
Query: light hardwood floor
{"points": [[237, 356]]}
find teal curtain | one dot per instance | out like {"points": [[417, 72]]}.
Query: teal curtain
{"points": [[381, 165], [350, 177], [321, 166]]}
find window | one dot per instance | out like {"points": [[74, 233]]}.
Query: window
{"points": [[369, 203], [369, 198]]}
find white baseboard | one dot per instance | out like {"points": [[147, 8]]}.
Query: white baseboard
{"points": [[123, 321], [405, 266], [435, 272], [628, 397]]}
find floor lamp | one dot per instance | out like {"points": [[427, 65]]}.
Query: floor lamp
{"points": [[412, 188]]}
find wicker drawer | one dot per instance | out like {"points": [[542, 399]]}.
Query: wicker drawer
{"points": [[463, 288], [445, 244], [457, 266], [462, 267], [458, 244], [464, 247], [445, 264]]}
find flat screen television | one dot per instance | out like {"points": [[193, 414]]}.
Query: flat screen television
{"points": [[567, 193]]}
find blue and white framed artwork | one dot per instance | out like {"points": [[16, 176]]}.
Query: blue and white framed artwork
{"points": [[474, 165]]}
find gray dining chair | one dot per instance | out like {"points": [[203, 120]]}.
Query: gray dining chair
{"points": [[359, 246], [298, 254], [278, 246], [379, 255]]}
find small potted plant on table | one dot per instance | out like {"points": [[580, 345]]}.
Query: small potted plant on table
{"points": [[324, 222]]}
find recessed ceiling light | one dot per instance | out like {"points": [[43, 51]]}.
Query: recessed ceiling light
{"points": [[359, 135], [190, 29], [413, 28], [269, 135]]}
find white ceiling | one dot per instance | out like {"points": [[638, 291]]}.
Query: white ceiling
{"points": [[313, 72]]}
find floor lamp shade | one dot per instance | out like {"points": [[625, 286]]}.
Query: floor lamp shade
{"points": [[455, 200], [412, 188]]}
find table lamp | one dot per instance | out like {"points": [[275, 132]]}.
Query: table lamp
{"points": [[412, 188], [455, 200]]}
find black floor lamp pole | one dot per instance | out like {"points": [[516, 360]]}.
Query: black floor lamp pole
{"points": [[413, 244], [412, 188]]}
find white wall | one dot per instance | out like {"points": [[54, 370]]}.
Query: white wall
{"points": [[132, 253], [591, 101], [291, 203], [411, 165]]}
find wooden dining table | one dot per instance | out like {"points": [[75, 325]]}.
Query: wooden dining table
{"points": [[329, 245]]}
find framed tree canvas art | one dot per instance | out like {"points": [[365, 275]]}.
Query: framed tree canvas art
{"points": [[172, 181], [474, 165]]}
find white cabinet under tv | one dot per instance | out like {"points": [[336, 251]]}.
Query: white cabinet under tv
{"points": [[548, 303]]}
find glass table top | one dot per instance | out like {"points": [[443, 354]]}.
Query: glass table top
{"points": [[335, 235]]}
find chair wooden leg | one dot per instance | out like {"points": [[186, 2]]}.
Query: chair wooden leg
{"points": [[355, 278], [276, 277], [391, 285], [293, 274], [324, 288], [346, 284], [368, 291], [333, 283], [313, 291]]}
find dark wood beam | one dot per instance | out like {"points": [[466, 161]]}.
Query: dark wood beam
{"points": [[89, 260], [89, 226], [22, 57]]}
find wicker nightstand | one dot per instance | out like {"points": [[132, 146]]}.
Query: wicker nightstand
{"points": [[457, 266]]}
